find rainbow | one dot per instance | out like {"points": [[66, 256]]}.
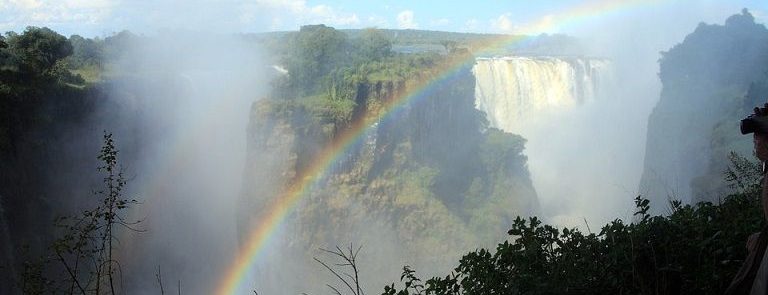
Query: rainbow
{"points": [[284, 203]]}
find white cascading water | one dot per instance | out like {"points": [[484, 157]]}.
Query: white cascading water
{"points": [[512, 90], [576, 156]]}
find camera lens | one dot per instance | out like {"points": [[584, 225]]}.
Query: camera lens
{"points": [[748, 125]]}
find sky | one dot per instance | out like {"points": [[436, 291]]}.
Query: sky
{"points": [[94, 18]]}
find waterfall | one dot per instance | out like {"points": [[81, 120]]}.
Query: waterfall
{"points": [[578, 154], [512, 90]]}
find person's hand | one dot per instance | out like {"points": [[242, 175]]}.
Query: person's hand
{"points": [[752, 242], [761, 139], [761, 146]]}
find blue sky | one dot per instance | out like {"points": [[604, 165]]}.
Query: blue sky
{"points": [[103, 17]]}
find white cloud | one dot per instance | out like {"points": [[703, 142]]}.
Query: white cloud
{"points": [[377, 21], [546, 24], [23, 4], [143, 16], [760, 15], [325, 12], [19, 13], [405, 20], [471, 25], [503, 23], [441, 22], [56, 11], [289, 14]]}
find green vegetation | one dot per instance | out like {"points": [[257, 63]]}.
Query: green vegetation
{"points": [[36, 86], [46, 131], [318, 55], [433, 172], [696, 249], [80, 260], [410, 171], [330, 75], [694, 125], [39, 99], [420, 37]]}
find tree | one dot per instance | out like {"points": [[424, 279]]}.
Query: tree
{"points": [[449, 45], [375, 45], [316, 50], [696, 249], [38, 49], [81, 259], [84, 52]]}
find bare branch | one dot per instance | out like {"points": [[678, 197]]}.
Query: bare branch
{"points": [[334, 289], [72, 275], [336, 274], [348, 258], [159, 276]]}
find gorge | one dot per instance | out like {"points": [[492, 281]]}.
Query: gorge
{"points": [[420, 147]]}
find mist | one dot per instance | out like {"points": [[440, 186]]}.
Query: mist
{"points": [[183, 105], [586, 162], [193, 94]]}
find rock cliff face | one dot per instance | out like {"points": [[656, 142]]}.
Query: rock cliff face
{"points": [[7, 264], [705, 85], [425, 184]]}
